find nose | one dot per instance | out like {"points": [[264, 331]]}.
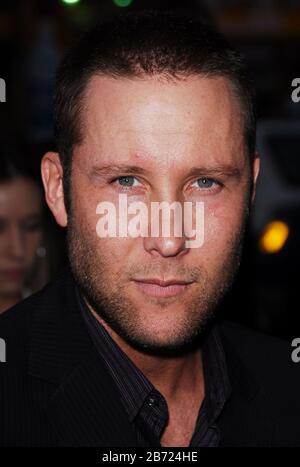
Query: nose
{"points": [[166, 234], [165, 246]]}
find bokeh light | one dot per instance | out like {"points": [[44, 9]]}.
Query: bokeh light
{"points": [[274, 237], [70, 2], [122, 3]]}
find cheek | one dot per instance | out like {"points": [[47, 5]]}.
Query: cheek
{"points": [[84, 209], [222, 227], [118, 252], [33, 241]]}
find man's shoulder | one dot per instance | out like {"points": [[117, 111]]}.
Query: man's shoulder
{"points": [[29, 332], [250, 342], [266, 358], [263, 409], [16, 322], [256, 349]]}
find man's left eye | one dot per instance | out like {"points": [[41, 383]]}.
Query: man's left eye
{"points": [[205, 182]]}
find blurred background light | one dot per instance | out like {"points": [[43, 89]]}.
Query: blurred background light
{"points": [[122, 3], [274, 237], [70, 2]]}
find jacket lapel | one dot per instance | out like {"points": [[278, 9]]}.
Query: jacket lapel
{"points": [[85, 408], [243, 422]]}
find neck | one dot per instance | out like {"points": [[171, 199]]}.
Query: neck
{"points": [[171, 376]]}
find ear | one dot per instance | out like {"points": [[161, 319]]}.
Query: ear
{"points": [[52, 176], [255, 171]]}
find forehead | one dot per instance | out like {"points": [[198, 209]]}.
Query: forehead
{"points": [[161, 118]]}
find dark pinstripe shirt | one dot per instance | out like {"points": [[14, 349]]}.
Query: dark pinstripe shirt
{"points": [[146, 407]]}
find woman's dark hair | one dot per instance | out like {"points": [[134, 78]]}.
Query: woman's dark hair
{"points": [[150, 43], [14, 164]]}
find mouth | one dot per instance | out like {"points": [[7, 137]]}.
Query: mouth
{"points": [[161, 288]]}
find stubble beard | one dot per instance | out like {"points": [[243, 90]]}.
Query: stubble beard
{"points": [[106, 294]]}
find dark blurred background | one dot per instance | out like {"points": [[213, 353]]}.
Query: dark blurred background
{"points": [[33, 37]]}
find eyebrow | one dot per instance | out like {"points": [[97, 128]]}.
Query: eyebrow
{"points": [[113, 169], [228, 170]]}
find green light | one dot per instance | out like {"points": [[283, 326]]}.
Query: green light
{"points": [[70, 2], [122, 3]]}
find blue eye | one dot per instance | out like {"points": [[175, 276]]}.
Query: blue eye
{"points": [[126, 181], [205, 182]]}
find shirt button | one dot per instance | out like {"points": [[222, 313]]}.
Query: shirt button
{"points": [[151, 401]]}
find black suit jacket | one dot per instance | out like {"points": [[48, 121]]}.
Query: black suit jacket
{"points": [[56, 391]]}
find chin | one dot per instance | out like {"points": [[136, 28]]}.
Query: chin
{"points": [[162, 337], [166, 345], [159, 306], [11, 289]]}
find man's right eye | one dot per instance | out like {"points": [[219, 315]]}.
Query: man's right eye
{"points": [[126, 181]]}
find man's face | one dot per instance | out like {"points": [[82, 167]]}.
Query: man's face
{"points": [[164, 129]]}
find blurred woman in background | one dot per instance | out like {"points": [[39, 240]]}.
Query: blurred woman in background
{"points": [[22, 269]]}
